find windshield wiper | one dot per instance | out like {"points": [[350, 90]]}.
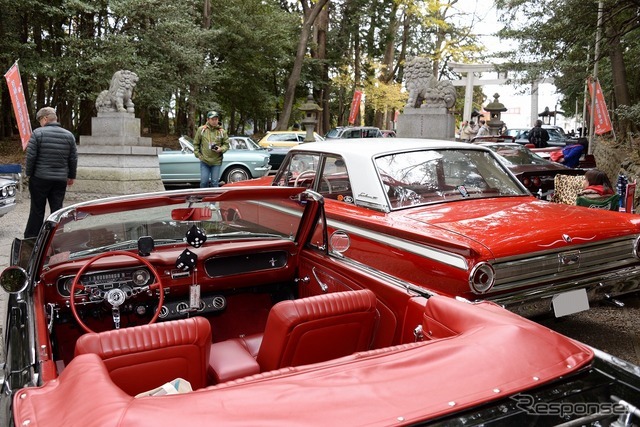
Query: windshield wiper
{"points": [[246, 234], [126, 244]]}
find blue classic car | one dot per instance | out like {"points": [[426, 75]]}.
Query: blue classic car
{"points": [[180, 167]]}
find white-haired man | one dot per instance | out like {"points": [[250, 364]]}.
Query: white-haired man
{"points": [[51, 165]]}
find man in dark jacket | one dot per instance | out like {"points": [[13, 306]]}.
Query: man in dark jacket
{"points": [[538, 136], [52, 162]]}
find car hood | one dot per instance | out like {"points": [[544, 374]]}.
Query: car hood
{"points": [[520, 225]]}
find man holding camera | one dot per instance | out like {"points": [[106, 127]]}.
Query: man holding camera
{"points": [[209, 144]]}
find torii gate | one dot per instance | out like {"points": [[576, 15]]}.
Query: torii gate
{"points": [[469, 80]]}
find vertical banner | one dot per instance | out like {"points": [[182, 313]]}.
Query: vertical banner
{"points": [[601, 120], [355, 106], [14, 84]]}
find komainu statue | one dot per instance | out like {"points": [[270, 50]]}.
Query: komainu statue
{"points": [[424, 89], [118, 97]]}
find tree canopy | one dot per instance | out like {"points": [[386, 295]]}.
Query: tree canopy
{"points": [[253, 60]]}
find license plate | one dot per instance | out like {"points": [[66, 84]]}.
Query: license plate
{"points": [[570, 302]]}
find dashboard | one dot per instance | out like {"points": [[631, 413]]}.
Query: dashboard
{"points": [[226, 267]]}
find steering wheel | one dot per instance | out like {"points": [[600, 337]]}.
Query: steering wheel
{"points": [[114, 296], [309, 172]]}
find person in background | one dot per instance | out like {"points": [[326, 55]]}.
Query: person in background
{"points": [[484, 129], [51, 165], [538, 136], [463, 135], [571, 154], [470, 131], [596, 184], [209, 145], [296, 127]]}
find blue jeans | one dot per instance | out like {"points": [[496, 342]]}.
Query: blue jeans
{"points": [[209, 175]]}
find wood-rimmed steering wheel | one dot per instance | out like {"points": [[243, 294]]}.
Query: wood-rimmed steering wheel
{"points": [[115, 296]]}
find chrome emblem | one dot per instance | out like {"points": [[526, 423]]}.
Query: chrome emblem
{"points": [[569, 260], [566, 238]]}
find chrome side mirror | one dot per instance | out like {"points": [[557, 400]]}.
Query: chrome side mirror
{"points": [[14, 279]]}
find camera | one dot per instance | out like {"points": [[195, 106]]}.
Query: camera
{"points": [[215, 147]]}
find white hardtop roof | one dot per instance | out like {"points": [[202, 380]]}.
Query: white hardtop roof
{"points": [[359, 153], [369, 147]]}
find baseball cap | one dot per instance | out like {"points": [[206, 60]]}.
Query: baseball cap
{"points": [[211, 114]]}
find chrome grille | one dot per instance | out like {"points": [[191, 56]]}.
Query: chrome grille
{"points": [[565, 263]]}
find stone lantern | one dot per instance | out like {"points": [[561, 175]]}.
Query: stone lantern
{"points": [[495, 108], [310, 110]]}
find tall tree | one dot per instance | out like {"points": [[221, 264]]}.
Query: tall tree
{"points": [[310, 13]]}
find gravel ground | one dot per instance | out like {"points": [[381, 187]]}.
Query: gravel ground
{"points": [[611, 329]]}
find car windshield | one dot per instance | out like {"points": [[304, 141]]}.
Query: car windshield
{"points": [[517, 155], [428, 176], [84, 231]]}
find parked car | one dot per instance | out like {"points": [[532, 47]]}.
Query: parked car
{"points": [[452, 217], [285, 138], [180, 167], [344, 132], [533, 171], [121, 301], [388, 133], [557, 137], [276, 154], [7, 195]]}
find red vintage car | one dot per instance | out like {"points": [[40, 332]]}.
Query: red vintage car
{"points": [[452, 217], [225, 306]]}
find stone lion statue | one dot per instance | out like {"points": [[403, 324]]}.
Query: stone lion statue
{"points": [[118, 97], [424, 89]]}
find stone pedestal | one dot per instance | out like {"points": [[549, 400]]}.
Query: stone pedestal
{"points": [[115, 159], [429, 122]]}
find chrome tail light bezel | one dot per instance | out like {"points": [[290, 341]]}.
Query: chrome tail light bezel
{"points": [[482, 278]]}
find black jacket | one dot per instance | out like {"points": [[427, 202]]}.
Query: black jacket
{"points": [[52, 153], [539, 137]]}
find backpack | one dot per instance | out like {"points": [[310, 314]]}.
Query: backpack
{"points": [[536, 138]]}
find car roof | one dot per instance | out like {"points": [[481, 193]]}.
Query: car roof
{"points": [[376, 146]]}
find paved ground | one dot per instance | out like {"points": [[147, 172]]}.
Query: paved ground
{"points": [[614, 330]]}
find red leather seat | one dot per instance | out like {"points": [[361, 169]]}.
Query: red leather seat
{"points": [[144, 357], [299, 332]]}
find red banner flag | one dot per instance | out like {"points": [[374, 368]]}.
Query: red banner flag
{"points": [[355, 106], [601, 119], [19, 104]]}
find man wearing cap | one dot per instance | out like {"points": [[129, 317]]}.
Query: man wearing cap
{"points": [[210, 142], [51, 165]]}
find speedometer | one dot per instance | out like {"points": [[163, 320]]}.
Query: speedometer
{"points": [[140, 277]]}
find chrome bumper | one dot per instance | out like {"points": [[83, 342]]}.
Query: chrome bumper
{"points": [[262, 171], [7, 206], [538, 301]]}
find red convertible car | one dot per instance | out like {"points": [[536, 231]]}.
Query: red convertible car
{"points": [[452, 217], [226, 307]]}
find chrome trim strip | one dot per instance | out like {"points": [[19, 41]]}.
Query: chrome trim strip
{"points": [[453, 260]]}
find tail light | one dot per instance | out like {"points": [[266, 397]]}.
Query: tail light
{"points": [[482, 278]]}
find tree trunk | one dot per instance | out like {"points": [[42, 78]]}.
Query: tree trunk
{"points": [[294, 77], [619, 76]]}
